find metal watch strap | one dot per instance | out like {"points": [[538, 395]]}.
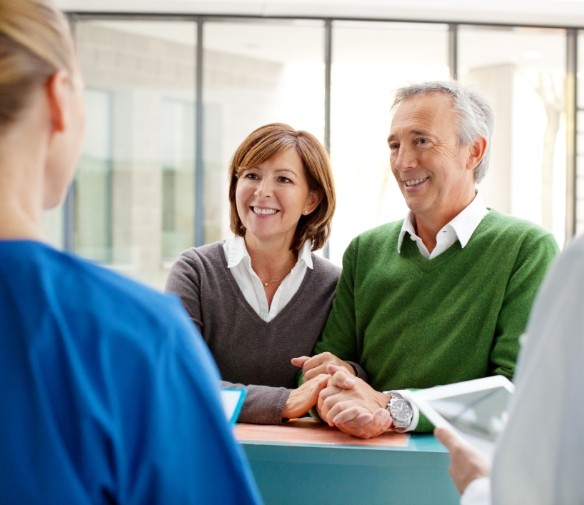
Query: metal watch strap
{"points": [[400, 411]]}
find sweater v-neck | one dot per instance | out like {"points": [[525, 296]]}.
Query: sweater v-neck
{"points": [[409, 250], [241, 298]]}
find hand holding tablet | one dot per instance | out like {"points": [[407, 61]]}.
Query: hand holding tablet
{"points": [[477, 409]]}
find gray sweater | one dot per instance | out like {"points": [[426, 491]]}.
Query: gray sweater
{"points": [[248, 350]]}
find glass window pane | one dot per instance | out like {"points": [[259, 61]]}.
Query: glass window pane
{"points": [[255, 73], [370, 60], [177, 183], [92, 219], [134, 191], [522, 73]]}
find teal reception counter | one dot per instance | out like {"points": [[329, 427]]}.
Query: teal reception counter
{"points": [[305, 462]]}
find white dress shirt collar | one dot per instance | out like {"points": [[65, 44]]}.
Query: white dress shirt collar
{"points": [[460, 228], [236, 251], [239, 262]]}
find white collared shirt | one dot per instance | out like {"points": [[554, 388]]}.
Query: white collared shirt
{"points": [[239, 262], [460, 228]]}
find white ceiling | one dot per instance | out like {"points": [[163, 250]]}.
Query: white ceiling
{"points": [[536, 12]]}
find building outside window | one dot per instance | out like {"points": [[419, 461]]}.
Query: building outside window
{"points": [[525, 84], [152, 180], [369, 61]]}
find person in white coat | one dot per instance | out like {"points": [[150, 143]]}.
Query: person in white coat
{"points": [[538, 456]]}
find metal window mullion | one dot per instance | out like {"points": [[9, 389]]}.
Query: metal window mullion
{"points": [[199, 234], [571, 100], [453, 50]]}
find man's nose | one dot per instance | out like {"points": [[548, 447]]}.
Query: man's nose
{"points": [[404, 157]]}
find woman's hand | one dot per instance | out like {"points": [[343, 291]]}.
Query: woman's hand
{"points": [[303, 398]]}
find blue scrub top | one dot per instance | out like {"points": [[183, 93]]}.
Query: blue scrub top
{"points": [[107, 393]]}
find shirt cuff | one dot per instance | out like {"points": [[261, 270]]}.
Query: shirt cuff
{"points": [[478, 492], [415, 411]]}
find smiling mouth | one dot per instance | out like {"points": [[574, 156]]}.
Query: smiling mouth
{"points": [[263, 212], [415, 182]]}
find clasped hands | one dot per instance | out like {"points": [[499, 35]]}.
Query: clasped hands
{"points": [[342, 399], [354, 407]]}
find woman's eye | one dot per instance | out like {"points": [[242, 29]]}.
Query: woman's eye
{"points": [[284, 180], [251, 176]]}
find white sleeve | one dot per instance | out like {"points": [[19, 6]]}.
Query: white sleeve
{"points": [[478, 492]]}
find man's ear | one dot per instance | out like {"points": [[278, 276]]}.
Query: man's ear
{"points": [[57, 89], [476, 152]]}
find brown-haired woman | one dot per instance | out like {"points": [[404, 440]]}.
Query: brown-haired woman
{"points": [[261, 297]]}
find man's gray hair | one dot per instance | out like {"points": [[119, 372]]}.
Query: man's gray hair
{"points": [[475, 115]]}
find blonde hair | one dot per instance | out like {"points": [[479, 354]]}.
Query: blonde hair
{"points": [[270, 140], [35, 42]]}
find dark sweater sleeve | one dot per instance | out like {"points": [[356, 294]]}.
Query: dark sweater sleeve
{"points": [[359, 371], [184, 280], [262, 405]]}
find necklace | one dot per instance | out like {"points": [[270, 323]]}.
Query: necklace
{"points": [[275, 281], [266, 284]]}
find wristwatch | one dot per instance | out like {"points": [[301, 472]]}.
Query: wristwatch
{"points": [[400, 411]]}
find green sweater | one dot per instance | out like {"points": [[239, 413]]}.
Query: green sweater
{"points": [[414, 323]]}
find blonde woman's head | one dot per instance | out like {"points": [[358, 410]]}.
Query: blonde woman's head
{"points": [[35, 42]]}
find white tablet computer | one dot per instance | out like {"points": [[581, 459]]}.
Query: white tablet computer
{"points": [[477, 409], [232, 399]]}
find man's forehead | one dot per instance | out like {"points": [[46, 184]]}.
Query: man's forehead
{"points": [[420, 114], [414, 122]]}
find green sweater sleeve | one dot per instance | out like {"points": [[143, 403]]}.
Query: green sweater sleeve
{"points": [[531, 266]]}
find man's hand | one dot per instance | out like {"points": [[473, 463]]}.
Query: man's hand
{"points": [[316, 365], [353, 406], [466, 462], [303, 398]]}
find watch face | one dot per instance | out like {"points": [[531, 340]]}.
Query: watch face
{"points": [[401, 411]]}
